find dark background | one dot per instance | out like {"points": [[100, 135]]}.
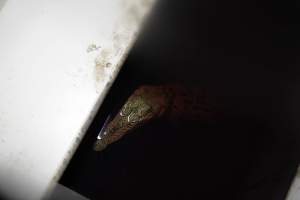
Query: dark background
{"points": [[246, 54]]}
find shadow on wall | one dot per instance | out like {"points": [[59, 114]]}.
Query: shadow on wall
{"points": [[2, 4], [246, 54]]}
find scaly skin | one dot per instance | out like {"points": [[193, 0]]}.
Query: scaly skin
{"points": [[151, 102]]}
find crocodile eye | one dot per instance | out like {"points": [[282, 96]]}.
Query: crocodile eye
{"points": [[126, 110]]}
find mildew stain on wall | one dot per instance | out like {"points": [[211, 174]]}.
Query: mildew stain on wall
{"points": [[102, 64], [111, 56]]}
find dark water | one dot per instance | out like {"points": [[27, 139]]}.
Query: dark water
{"points": [[246, 53]]}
